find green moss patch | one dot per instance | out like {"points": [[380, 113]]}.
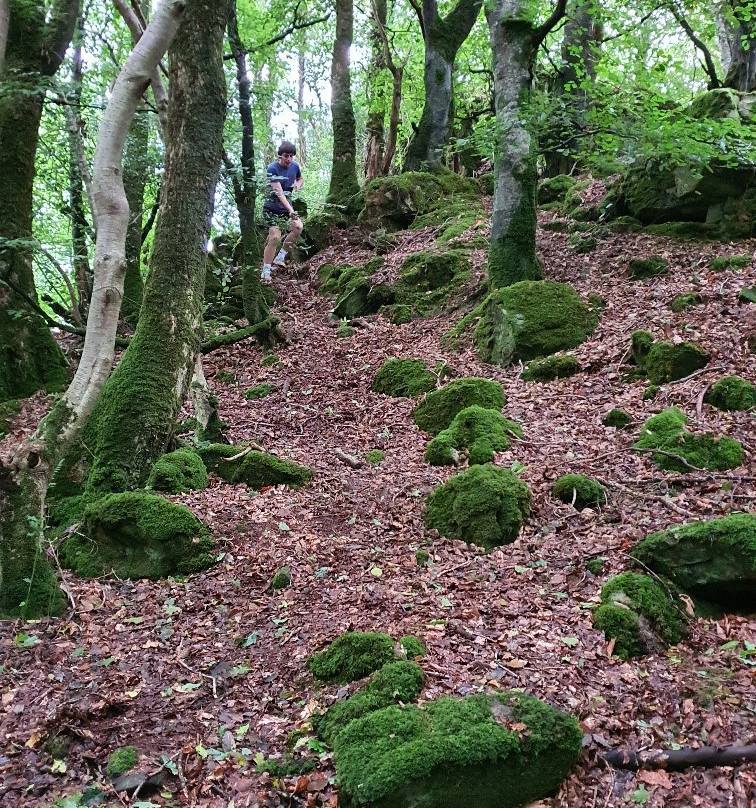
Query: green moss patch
{"points": [[725, 262], [178, 472], [438, 408], [375, 457], [353, 655], [256, 469], [8, 409], [666, 433], [686, 301], [640, 614], [579, 490], [651, 267], [394, 683], [712, 559], [260, 391], [122, 760], [552, 367], [531, 319], [554, 189], [617, 418], [484, 505], [496, 751], [747, 294], [282, 578], [665, 361], [731, 393], [479, 430], [138, 535], [403, 378]]}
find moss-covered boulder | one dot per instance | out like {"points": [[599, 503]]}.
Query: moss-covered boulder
{"points": [[652, 267], [394, 683], [552, 367], [713, 560], [747, 294], [685, 301], [617, 418], [138, 535], [531, 319], [579, 490], [282, 578], [320, 228], [438, 409], [427, 279], [356, 654], [664, 361], [177, 472], [484, 505], [479, 430], [640, 614], [403, 378], [731, 393], [670, 444], [497, 751], [260, 391], [554, 189], [122, 760], [256, 469]]}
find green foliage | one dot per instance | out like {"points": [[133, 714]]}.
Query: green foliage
{"points": [[640, 614], [579, 490], [351, 656], [732, 393], [484, 505], [480, 430], [666, 433], [122, 760], [177, 472], [438, 408], [456, 751], [652, 267], [260, 391], [552, 367], [403, 378], [617, 418]]}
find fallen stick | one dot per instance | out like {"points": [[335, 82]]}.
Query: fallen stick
{"points": [[678, 759], [350, 460]]}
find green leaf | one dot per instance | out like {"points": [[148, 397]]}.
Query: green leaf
{"points": [[187, 687], [640, 795], [570, 641], [283, 527], [519, 569], [446, 603]]}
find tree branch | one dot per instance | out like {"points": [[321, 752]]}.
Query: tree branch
{"points": [[678, 759], [711, 70], [544, 29]]}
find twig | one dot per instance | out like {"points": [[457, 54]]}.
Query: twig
{"points": [[678, 759], [699, 400], [656, 497], [697, 373], [253, 447], [350, 460], [675, 456]]}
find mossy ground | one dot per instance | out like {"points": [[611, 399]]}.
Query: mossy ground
{"points": [[122, 760], [178, 472], [260, 391], [722, 263], [652, 267], [256, 469], [617, 418], [484, 505], [479, 430], [282, 578], [439, 408], [579, 490], [685, 301], [487, 751], [666, 433], [138, 535], [732, 393]]}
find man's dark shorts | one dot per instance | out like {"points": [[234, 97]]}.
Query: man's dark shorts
{"points": [[271, 219]]}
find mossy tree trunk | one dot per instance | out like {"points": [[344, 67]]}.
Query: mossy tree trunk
{"points": [[580, 51], [344, 185], [256, 308], [27, 582], [376, 135], [736, 31], [514, 42], [443, 38], [35, 47], [138, 409], [136, 165]]}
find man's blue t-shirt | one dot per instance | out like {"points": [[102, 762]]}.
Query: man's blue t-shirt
{"points": [[286, 176]]}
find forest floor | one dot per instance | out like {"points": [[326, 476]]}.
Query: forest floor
{"points": [[207, 676]]}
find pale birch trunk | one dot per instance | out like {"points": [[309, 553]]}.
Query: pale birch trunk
{"points": [[27, 582]]}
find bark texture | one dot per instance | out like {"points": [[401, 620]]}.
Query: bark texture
{"points": [[344, 185], [443, 38], [135, 419], [377, 102], [736, 31]]}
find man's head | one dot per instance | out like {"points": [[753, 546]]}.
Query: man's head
{"points": [[286, 151]]}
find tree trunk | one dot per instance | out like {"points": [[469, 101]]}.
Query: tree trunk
{"points": [[376, 83], [301, 133], [344, 185], [136, 165], [141, 401], [27, 582], [443, 38], [736, 31], [29, 357], [580, 50]]}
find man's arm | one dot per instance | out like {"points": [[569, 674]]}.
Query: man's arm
{"points": [[276, 188]]}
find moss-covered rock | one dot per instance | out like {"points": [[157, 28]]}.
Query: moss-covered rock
{"points": [[484, 505], [651, 267], [497, 751], [438, 409], [353, 655], [731, 393], [664, 361], [582, 243], [617, 418], [480, 430], [375, 457], [138, 535], [320, 227], [640, 614], [724, 262], [552, 367], [579, 490], [122, 760], [531, 319], [256, 469], [554, 189], [394, 683], [403, 378], [282, 578], [260, 391], [713, 559], [178, 472], [747, 294], [666, 434], [686, 301]]}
